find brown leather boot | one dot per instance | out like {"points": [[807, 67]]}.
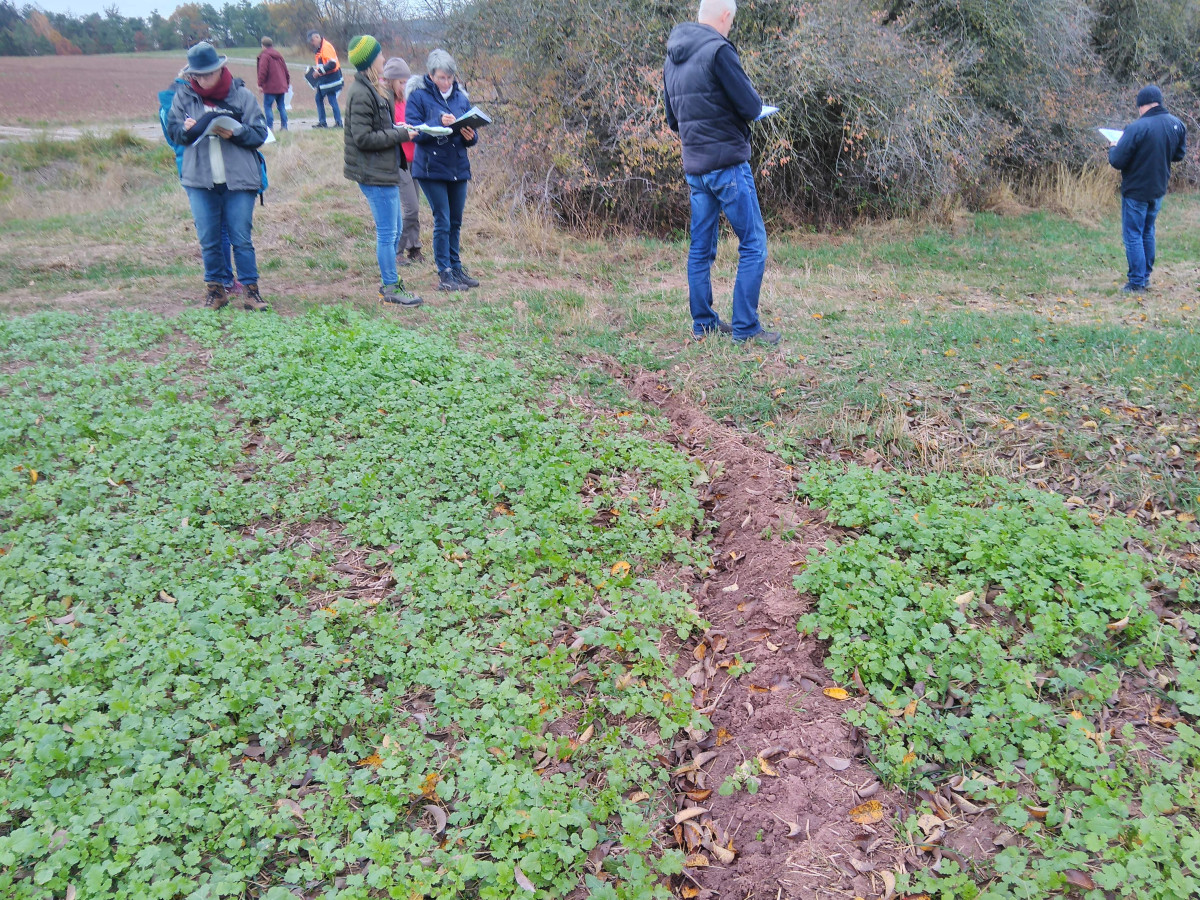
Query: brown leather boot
{"points": [[253, 300], [217, 297]]}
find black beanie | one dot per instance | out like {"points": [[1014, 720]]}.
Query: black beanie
{"points": [[1149, 94]]}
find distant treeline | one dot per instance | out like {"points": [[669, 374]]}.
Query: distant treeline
{"points": [[29, 31]]}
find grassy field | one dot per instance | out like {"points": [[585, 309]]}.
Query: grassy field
{"points": [[355, 599]]}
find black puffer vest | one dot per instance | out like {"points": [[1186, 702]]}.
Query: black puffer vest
{"points": [[711, 130]]}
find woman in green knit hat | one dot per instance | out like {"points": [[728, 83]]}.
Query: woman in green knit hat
{"points": [[374, 160]]}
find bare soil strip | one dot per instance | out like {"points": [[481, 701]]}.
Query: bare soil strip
{"points": [[796, 836]]}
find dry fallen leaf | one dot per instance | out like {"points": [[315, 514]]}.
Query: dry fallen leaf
{"points": [[1119, 625], [725, 855], [290, 806], [765, 768], [439, 816], [523, 880], [684, 814], [638, 796], [620, 568], [429, 785], [374, 760], [964, 599], [696, 861], [929, 823], [1080, 879], [889, 885], [837, 763], [836, 693], [867, 813]]}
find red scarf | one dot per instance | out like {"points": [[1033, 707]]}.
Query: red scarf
{"points": [[218, 92]]}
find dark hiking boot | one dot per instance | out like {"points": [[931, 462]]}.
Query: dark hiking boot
{"points": [[447, 281], [464, 279], [216, 297], [396, 293], [253, 299], [722, 328], [771, 338]]}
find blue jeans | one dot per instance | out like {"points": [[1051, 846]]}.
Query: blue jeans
{"points": [[213, 208], [333, 104], [1137, 231], [384, 200], [446, 199], [278, 99], [732, 192]]}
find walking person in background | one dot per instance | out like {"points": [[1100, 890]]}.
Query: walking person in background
{"points": [[1144, 155], [440, 163], [374, 160], [221, 170], [274, 81], [326, 79], [710, 103], [396, 76]]}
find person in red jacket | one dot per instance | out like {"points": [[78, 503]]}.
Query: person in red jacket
{"points": [[396, 76], [274, 81]]}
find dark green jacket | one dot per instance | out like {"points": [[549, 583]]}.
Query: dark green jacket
{"points": [[373, 154]]}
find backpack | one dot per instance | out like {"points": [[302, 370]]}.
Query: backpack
{"points": [[165, 99], [262, 174]]}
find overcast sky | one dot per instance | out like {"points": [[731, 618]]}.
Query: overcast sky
{"points": [[131, 8]]}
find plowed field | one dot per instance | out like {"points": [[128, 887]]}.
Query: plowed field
{"points": [[91, 90]]}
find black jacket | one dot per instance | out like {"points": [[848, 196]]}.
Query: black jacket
{"points": [[1145, 153], [372, 140], [709, 99]]}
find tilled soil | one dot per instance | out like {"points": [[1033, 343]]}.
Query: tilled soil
{"points": [[794, 837]]}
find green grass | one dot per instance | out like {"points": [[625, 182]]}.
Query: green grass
{"points": [[200, 693]]}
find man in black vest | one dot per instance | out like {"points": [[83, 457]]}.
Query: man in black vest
{"points": [[710, 103], [1144, 155]]}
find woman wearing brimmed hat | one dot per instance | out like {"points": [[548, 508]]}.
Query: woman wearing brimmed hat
{"points": [[408, 251], [374, 160], [220, 169]]}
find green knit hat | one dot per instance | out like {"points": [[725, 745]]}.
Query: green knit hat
{"points": [[363, 50]]}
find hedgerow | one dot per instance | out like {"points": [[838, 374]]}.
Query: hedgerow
{"points": [[197, 698], [885, 107]]}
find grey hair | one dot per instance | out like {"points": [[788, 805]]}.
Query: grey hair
{"points": [[712, 9], [440, 59]]}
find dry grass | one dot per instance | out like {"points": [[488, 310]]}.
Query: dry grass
{"points": [[1087, 195]]}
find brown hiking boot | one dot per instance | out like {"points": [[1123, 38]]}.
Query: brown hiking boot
{"points": [[217, 297], [254, 300]]}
